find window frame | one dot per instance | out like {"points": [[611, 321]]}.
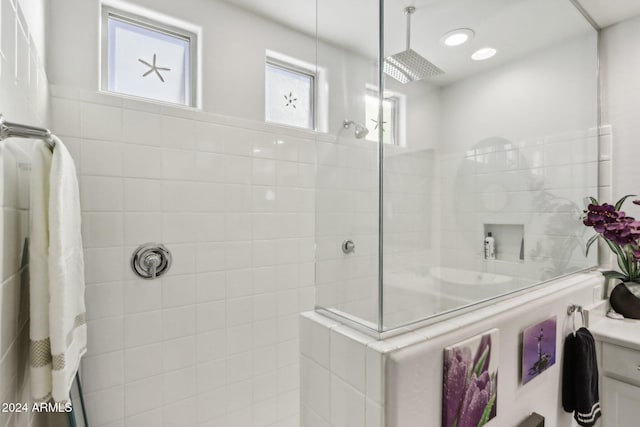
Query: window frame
{"points": [[396, 101], [158, 26], [297, 69]]}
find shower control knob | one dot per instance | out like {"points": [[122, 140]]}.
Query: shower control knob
{"points": [[150, 260], [348, 246]]}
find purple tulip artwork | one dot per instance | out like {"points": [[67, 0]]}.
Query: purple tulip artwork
{"points": [[538, 349], [470, 381]]}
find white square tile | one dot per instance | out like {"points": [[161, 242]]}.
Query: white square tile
{"points": [[144, 395], [239, 283], [180, 414], [263, 306], [315, 341], [142, 161], [140, 127], [143, 328], [149, 418], [238, 198], [104, 300], [178, 385], [316, 390], [211, 315], [101, 158], [65, 115], [178, 291], [211, 167], [210, 286], [239, 311], [142, 295], [348, 359], [239, 339], [104, 335], [211, 345], [142, 195], [348, 406], [289, 378], [211, 375], [239, 396], [178, 353], [265, 413], [263, 172], [208, 138], [99, 193], [101, 229], [102, 371], [177, 132], [212, 405], [238, 170], [106, 406], [239, 367], [179, 165], [101, 122], [142, 361], [264, 386], [178, 322], [142, 227]]}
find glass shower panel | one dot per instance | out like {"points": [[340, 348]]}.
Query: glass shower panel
{"points": [[347, 180], [506, 146]]}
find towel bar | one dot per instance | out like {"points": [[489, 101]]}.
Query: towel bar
{"points": [[10, 129]]}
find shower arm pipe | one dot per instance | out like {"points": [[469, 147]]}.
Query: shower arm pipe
{"points": [[10, 129], [408, 11]]}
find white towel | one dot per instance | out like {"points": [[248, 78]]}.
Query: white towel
{"points": [[58, 331]]}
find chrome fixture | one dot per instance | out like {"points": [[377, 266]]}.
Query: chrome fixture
{"points": [[571, 311], [360, 130], [408, 66], [348, 246], [150, 260], [10, 129]]}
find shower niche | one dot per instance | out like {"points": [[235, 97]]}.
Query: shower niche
{"points": [[509, 241], [484, 124]]}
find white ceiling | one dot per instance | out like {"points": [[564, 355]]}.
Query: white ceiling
{"points": [[609, 12], [514, 27]]}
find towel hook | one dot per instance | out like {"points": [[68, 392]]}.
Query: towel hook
{"points": [[571, 311]]}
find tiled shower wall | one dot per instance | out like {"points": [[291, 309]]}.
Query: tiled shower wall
{"points": [[23, 98], [215, 340], [527, 163]]}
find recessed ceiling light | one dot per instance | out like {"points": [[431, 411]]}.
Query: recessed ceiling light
{"points": [[457, 37], [484, 53]]}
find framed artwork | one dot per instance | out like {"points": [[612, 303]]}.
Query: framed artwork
{"points": [[470, 381], [538, 348]]}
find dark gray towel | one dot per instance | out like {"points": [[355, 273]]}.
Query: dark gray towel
{"points": [[580, 378]]}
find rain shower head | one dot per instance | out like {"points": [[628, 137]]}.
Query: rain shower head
{"points": [[408, 66], [360, 131]]}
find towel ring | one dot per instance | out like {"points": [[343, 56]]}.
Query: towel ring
{"points": [[571, 311]]}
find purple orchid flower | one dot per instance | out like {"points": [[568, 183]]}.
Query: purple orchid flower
{"points": [[457, 365], [476, 399]]}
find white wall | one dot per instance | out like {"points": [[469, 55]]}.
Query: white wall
{"points": [[620, 68], [23, 99]]}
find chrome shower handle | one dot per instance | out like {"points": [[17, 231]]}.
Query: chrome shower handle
{"points": [[150, 260]]}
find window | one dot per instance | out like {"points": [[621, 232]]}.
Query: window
{"points": [[390, 107], [147, 59], [289, 94]]}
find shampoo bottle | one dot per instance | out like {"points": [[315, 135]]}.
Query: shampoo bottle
{"points": [[489, 247]]}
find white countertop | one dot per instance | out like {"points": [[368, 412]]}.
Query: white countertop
{"points": [[624, 332]]}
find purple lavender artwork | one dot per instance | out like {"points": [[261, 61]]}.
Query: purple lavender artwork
{"points": [[538, 349], [470, 382]]}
